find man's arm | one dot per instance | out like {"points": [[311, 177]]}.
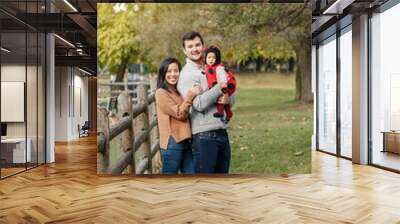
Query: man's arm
{"points": [[185, 82], [203, 100], [207, 98], [226, 99]]}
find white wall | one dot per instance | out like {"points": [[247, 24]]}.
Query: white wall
{"points": [[16, 73], [33, 126], [71, 87], [79, 103], [61, 103]]}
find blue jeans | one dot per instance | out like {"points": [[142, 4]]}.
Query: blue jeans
{"points": [[211, 152], [177, 157]]}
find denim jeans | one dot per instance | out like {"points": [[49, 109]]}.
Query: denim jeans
{"points": [[177, 157], [211, 152]]}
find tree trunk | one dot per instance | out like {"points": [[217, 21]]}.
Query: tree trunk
{"points": [[258, 64], [121, 69], [303, 71], [120, 76]]}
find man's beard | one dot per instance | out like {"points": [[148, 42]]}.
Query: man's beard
{"points": [[198, 60]]}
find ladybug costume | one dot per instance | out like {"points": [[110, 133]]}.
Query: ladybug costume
{"points": [[213, 77]]}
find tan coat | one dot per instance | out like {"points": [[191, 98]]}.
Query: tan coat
{"points": [[173, 116]]}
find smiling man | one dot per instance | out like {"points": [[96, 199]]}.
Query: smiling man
{"points": [[210, 142]]}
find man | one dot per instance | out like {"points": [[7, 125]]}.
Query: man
{"points": [[210, 143]]}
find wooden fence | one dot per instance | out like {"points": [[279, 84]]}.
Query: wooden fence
{"points": [[110, 90], [137, 128]]}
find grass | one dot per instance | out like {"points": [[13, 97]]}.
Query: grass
{"points": [[270, 132]]}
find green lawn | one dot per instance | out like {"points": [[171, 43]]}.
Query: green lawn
{"points": [[270, 132]]}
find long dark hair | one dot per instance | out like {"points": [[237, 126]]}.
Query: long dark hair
{"points": [[217, 53], [161, 82]]}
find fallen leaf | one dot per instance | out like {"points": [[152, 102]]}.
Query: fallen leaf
{"points": [[244, 148], [299, 153]]}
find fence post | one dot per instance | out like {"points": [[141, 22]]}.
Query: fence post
{"points": [[103, 140], [154, 136], [143, 125], [124, 110]]}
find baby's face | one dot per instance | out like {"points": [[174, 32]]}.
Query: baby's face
{"points": [[210, 60]]}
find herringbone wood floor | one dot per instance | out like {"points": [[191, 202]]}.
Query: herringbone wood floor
{"points": [[70, 191]]}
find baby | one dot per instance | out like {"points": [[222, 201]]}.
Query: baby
{"points": [[216, 73]]}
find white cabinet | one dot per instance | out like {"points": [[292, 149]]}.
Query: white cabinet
{"points": [[17, 147]]}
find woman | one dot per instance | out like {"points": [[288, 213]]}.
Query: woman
{"points": [[173, 122]]}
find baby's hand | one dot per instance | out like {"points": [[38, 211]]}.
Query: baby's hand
{"points": [[223, 85]]}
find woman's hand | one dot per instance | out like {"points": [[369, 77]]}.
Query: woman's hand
{"points": [[196, 90]]}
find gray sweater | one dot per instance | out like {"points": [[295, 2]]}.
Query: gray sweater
{"points": [[204, 105]]}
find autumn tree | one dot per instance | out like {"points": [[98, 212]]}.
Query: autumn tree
{"points": [[270, 30], [118, 37], [149, 32]]}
